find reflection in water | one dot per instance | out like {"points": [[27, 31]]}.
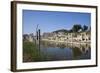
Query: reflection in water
{"points": [[50, 51], [60, 51]]}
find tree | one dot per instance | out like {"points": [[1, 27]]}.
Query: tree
{"points": [[85, 28], [89, 28], [70, 30], [76, 27]]}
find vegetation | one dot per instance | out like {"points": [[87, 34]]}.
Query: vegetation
{"points": [[85, 28], [30, 52], [75, 28]]}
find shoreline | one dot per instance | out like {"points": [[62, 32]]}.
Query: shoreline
{"points": [[70, 42]]}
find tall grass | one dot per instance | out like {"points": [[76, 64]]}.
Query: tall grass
{"points": [[30, 52]]}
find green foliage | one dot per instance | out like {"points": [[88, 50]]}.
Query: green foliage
{"points": [[76, 27], [85, 28], [30, 51]]}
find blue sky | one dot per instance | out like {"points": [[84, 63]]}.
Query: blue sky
{"points": [[49, 21]]}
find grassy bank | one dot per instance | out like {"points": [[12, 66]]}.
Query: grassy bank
{"points": [[30, 52]]}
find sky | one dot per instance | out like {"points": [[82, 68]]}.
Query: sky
{"points": [[49, 21]]}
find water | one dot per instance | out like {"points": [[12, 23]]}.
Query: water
{"points": [[50, 51], [60, 51]]}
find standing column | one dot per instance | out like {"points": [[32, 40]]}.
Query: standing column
{"points": [[39, 37]]}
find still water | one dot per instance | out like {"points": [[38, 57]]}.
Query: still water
{"points": [[60, 51]]}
